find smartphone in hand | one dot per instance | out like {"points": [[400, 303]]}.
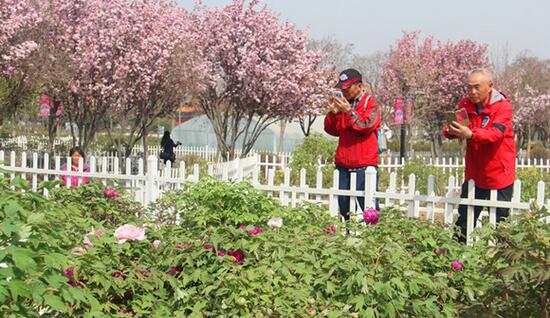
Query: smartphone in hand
{"points": [[460, 116], [337, 94]]}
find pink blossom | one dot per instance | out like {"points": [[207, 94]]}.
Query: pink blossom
{"points": [[117, 274], [330, 229], [456, 265], [156, 244], [256, 231], [371, 216], [175, 270], [209, 247], [311, 311], [242, 227], [110, 193], [237, 255], [129, 232], [87, 242]]}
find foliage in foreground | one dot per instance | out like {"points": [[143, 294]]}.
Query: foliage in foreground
{"points": [[59, 258]]}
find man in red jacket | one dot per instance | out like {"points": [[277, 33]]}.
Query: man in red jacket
{"points": [[490, 145], [356, 121]]}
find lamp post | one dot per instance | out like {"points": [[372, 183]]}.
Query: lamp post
{"points": [[402, 151]]}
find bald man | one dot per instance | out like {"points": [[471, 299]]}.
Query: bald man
{"points": [[490, 145]]}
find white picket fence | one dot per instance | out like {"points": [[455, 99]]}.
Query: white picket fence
{"points": [[149, 185], [447, 164]]}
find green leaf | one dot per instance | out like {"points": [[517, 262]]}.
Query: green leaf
{"points": [[55, 302], [23, 259], [358, 302], [35, 218], [17, 288], [369, 313], [11, 209]]}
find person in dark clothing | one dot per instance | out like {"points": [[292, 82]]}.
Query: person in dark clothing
{"points": [[168, 146]]}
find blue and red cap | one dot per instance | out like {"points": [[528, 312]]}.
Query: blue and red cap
{"points": [[348, 77]]}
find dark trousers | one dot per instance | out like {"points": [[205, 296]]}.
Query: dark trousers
{"points": [[504, 194], [344, 181]]}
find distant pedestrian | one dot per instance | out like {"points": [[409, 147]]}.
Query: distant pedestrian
{"points": [[75, 153], [168, 146]]}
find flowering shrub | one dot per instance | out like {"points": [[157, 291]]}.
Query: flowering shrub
{"points": [[281, 264], [99, 203]]}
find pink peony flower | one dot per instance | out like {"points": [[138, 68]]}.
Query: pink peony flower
{"points": [[371, 216], [69, 272], [117, 274], [129, 232], [156, 244], [311, 311], [331, 229], [87, 242], [275, 222], [110, 193], [174, 271], [456, 265], [209, 247], [256, 231], [73, 282], [237, 256]]}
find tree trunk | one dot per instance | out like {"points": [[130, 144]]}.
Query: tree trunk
{"points": [[280, 147], [529, 141], [145, 146]]}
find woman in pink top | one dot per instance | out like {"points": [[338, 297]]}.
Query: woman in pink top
{"points": [[75, 153]]}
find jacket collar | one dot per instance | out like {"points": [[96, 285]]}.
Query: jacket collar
{"points": [[496, 96]]}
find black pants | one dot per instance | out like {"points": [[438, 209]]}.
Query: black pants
{"points": [[504, 194], [344, 180]]}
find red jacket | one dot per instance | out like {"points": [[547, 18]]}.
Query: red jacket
{"points": [[491, 152], [358, 132]]}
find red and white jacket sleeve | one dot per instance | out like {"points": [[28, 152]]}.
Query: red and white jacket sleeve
{"points": [[334, 123]]}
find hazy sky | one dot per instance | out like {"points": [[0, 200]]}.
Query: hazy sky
{"points": [[374, 25]]}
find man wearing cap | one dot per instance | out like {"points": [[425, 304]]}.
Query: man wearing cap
{"points": [[490, 145], [356, 121]]}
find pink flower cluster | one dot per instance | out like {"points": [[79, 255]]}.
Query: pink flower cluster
{"points": [[73, 281], [129, 232], [110, 193], [456, 265], [330, 230], [237, 255], [371, 216]]}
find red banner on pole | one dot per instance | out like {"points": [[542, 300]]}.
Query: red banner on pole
{"points": [[398, 111], [46, 105]]}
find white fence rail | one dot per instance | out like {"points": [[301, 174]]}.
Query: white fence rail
{"points": [[149, 185]]}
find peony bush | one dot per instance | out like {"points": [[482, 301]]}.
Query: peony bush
{"points": [[235, 252]]}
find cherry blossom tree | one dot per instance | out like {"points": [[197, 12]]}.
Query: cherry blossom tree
{"points": [[433, 74], [256, 71], [156, 70], [527, 82], [18, 20]]}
